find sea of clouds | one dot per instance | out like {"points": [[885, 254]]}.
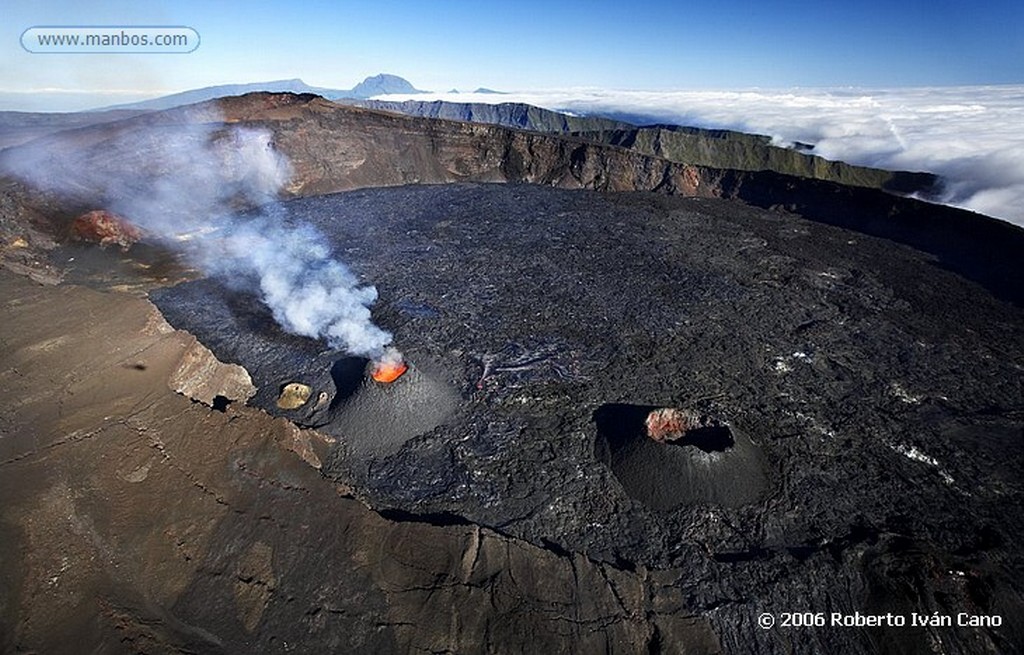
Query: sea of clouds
{"points": [[973, 137]]}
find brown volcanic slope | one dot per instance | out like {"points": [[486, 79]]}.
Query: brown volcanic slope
{"points": [[137, 521]]}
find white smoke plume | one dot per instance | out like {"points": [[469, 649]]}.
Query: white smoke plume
{"points": [[181, 183], [309, 292]]}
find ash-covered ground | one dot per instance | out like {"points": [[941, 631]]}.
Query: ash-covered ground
{"points": [[874, 399]]}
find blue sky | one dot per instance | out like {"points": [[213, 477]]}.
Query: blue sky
{"points": [[527, 45]]}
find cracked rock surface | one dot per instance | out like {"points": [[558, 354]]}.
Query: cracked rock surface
{"points": [[136, 520], [874, 401]]}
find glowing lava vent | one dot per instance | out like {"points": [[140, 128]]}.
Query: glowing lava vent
{"points": [[389, 368]]}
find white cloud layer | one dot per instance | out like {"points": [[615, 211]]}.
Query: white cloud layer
{"points": [[971, 136]]}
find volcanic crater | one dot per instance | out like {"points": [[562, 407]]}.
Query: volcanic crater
{"points": [[542, 326], [806, 397]]}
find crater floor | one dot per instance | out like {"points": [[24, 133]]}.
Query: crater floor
{"points": [[873, 397]]}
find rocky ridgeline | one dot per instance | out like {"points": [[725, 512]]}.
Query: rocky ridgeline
{"points": [[686, 145], [335, 147]]}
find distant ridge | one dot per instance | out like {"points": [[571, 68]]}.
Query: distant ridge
{"points": [[686, 145], [482, 89], [376, 85]]}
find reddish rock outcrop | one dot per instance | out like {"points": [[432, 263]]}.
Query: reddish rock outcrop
{"points": [[105, 228], [668, 424]]}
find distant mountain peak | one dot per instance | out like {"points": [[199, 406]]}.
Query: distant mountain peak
{"points": [[375, 85], [382, 84]]}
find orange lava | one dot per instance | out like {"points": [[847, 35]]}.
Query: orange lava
{"points": [[387, 372]]}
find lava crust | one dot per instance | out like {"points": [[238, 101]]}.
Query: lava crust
{"points": [[873, 399]]}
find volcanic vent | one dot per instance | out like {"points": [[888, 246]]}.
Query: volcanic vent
{"points": [[667, 457], [375, 406], [393, 402], [388, 369]]}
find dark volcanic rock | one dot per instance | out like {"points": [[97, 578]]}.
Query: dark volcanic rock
{"points": [[861, 354], [873, 399]]}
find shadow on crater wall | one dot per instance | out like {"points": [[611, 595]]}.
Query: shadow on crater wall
{"points": [[715, 465], [348, 374]]}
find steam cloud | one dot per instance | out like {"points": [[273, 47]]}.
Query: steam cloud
{"points": [[181, 184], [973, 137], [309, 292]]}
